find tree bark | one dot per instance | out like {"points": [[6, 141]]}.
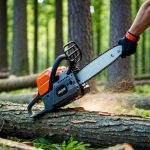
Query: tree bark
{"points": [[143, 53], [3, 36], [35, 57], [136, 54], [59, 27], [20, 64], [80, 30], [98, 129], [47, 43], [119, 73], [18, 83]]}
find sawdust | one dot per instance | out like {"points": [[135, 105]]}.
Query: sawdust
{"points": [[111, 102]]}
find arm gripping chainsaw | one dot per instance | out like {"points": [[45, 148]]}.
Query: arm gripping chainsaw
{"points": [[58, 86]]}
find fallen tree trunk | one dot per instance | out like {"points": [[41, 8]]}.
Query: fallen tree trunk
{"points": [[16, 98], [107, 102], [8, 144], [30, 81], [139, 82], [4, 75], [18, 83], [98, 129]]}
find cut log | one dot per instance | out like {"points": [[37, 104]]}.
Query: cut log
{"points": [[14, 83], [107, 102], [143, 77], [142, 82], [16, 98], [4, 75], [98, 129], [139, 82], [8, 144], [18, 83]]}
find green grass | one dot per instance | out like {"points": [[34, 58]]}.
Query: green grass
{"points": [[145, 89], [140, 112]]}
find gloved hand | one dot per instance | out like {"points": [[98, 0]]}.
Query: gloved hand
{"points": [[129, 44]]}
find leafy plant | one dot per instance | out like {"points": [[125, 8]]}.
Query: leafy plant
{"points": [[141, 112], [14, 139], [44, 144], [47, 144], [74, 145], [142, 89]]}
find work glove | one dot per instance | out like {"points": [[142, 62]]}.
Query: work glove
{"points": [[129, 44]]}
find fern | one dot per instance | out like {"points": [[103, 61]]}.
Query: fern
{"points": [[74, 145]]}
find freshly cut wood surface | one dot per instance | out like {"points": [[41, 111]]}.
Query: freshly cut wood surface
{"points": [[96, 128]]}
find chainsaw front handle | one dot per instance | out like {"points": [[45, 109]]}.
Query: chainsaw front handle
{"points": [[58, 60], [31, 104]]}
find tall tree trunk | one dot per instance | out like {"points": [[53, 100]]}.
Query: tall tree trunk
{"points": [[3, 36], [136, 54], [35, 56], [20, 54], [47, 43], [149, 51], [58, 28], [143, 53], [80, 29], [119, 73], [98, 12], [98, 40]]}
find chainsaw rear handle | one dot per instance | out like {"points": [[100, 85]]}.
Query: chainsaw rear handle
{"points": [[58, 60], [31, 104]]}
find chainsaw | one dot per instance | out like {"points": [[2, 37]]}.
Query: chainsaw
{"points": [[59, 86]]}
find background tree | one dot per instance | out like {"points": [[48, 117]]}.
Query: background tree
{"points": [[35, 56], [20, 55], [80, 29], [58, 27], [3, 36], [143, 52], [119, 73], [136, 55], [96, 23], [47, 42]]}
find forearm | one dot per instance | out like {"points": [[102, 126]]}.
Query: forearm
{"points": [[142, 20]]}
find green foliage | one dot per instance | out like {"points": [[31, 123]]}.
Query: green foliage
{"points": [[141, 112], [44, 144], [47, 144], [74, 145], [142, 89], [14, 139]]}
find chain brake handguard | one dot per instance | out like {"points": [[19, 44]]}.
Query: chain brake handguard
{"points": [[72, 52]]}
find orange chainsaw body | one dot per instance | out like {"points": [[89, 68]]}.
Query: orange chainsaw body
{"points": [[43, 80]]}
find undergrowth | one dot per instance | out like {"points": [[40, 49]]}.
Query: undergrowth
{"points": [[140, 112], [72, 144], [145, 89]]}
